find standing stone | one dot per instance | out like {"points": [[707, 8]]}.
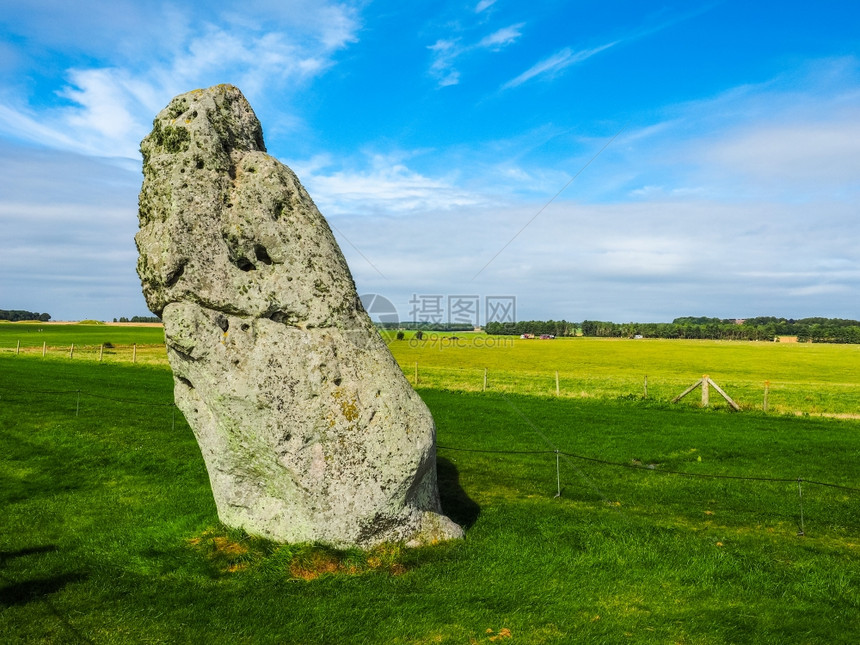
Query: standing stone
{"points": [[309, 430]]}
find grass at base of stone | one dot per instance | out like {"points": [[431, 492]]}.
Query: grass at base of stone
{"points": [[109, 532]]}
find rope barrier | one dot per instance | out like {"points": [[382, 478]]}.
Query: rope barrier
{"points": [[655, 470], [96, 396], [556, 452], [502, 452], [3, 389], [108, 398]]}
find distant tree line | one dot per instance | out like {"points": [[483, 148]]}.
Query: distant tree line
{"points": [[536, 327], [816, 330], [425, 326], [139, 319], [14, 315]]}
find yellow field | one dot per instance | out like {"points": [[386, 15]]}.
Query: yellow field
{"points": [[817, 378], [804, 378]]}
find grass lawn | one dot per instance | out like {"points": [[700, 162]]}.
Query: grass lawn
{"points": [[109, 532]]}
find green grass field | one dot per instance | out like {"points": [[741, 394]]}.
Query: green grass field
{"points": [[817, 378], [109, 532], [803, 378], [56, 341]]}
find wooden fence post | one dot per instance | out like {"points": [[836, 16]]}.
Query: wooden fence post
{"points": [[44, 348], [101, 351], [416, 372], [134, 353], [766, 388], [72, 351], [18, 348], [485, 379], [705, 382], [687, 391], [646, 386], [557, 387], [723, 394]]}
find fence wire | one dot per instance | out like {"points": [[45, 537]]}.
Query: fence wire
{"points": [[95, 396], [662, 471], [527, 422]]}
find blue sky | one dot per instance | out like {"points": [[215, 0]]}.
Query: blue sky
{"points": [[713, 148]]}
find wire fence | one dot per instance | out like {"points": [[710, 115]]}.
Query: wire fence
{"points": [[654, 469], [555, 452], [79, 393], [800, 482], [781, 397], [821, 398], [136, 353]]}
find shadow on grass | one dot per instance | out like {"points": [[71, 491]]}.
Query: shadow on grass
{"points": [[33, 550], [456, 504], [21, 593]]}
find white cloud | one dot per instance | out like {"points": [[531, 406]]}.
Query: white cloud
{"points": [[109, 107], [793, 138], [68, 225], [387, 186], [442, 67], [618, 262], [738, 204], [502, 37], [552, 66], [822, 290], [825, 153], [104, 106], [483, 5], [17, 122], [446, 52], [334, 24], [742, 204]]}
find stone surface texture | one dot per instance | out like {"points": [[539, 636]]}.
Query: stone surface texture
{"points": [[309, 430]]}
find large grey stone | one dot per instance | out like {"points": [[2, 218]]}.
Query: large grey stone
{"points": [[308, 428]]}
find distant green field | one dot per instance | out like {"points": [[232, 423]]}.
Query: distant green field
{"points": [[803, 378], [34, 334], [109, 532], [814, 378], [57, 339]]}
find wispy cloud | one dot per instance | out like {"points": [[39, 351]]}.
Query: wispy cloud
{"points": [[794, 137], [483, 5], [109, 106], [619, 261], [386, 185], [502, 37], [68, 226], [442, 68], [446, 52], [552, 66], [825, 154]]}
